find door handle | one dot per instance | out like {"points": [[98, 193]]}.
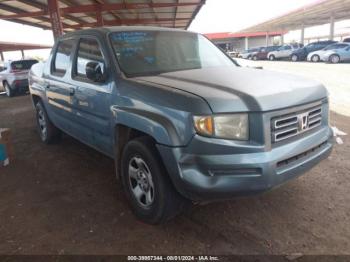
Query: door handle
{"points": [[71, 91]]}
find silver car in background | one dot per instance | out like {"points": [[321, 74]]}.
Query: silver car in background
{"points": [[318, 55], [247, 54], [14, 76], [337, 56], [283, 52]]}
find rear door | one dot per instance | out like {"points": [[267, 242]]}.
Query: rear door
{"points": [[285, 51], [345, 55], [92, 99], [59, 92]]}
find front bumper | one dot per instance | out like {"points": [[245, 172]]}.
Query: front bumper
{"points": [[212, 169]]}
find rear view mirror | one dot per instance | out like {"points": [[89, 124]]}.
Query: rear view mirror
{"points": [[95, 72]]}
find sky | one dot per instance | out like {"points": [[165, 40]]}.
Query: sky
{"points": [[215, 16], [234, 15]]}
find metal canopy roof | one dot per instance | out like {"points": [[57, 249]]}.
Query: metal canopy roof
{"points": [[78, 14], [10, 46], [226, 35], [317, 13]]}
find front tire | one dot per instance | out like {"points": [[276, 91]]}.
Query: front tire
{"points": [[151, 195], [48, 132], [295, 58], [315, 58], [255, 58], [272, 57], [334, 59], [9, 91]]}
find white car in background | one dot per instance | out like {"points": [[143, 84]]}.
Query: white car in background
{"points": [[317, 56], [283, 52]]}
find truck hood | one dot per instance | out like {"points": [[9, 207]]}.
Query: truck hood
{"points": [[238, 89]]}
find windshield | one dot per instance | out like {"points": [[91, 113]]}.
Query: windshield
{"points": [[155, 52], [23, 64]]}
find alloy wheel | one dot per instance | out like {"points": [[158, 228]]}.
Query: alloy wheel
{"points": [[42, 124], [315, 58], [335, 59], [140, 181]]}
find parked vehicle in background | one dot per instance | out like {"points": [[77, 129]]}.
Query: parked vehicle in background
{"points": [[182, 120], [262, 53], [337, 56], [317, 56], [247, 54], [283, 52], [2, 66], [301, 54], [233, 54], [14, 76], [346, 40]]}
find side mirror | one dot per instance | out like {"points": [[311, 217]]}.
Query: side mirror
{"points": [[95, 72]]}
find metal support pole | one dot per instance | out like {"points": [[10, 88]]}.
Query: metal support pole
{"points": [[99, 18], [302, 34], [55, 18], [246, 43], [22, 53], [331, 31], [2, 56], [282, 39], [267, 39]]}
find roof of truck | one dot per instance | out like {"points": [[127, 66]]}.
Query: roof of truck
{"points": [[109, 29]]}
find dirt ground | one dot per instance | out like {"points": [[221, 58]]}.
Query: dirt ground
{"points": [[64, 199]]}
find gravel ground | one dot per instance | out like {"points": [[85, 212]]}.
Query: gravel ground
{"points": [[63, 199]]}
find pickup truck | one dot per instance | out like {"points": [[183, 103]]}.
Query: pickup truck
{"points": [[183, 121]]}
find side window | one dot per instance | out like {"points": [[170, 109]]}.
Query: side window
{"points": [[89, 51], [288, 47], [340, 46], [61, 58]]}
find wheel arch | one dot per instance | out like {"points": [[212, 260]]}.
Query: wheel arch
{"points": [[131, 123], [35, 99]]}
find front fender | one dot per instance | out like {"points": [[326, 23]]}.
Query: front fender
{"points": [[169, 127]]}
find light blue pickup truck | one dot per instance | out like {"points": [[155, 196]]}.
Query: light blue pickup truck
{"points": [[182, 120]]}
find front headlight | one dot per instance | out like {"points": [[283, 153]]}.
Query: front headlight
{"points": [[233, 126]]}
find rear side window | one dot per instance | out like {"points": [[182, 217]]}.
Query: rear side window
{"points": [[339, 46], [23, 65], [88, 51], [62, 56]]}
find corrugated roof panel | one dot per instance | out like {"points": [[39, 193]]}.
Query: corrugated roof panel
{"points": [[20, 5], [147, 13]]}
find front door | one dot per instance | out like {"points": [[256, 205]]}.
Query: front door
{"points": [[92, 98]]}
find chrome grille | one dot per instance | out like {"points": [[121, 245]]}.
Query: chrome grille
{"points": [[290, 125]]}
